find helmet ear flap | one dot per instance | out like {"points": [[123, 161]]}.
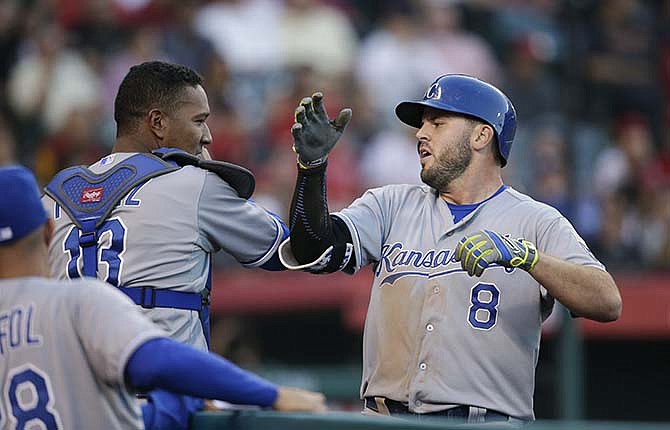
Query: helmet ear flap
{"points": [[468, 96]]}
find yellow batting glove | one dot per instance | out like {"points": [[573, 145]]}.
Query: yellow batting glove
{"points": [[477, 251]]}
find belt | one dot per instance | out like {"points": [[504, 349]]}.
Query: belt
{"points": [[149, 297], [462, 412]]}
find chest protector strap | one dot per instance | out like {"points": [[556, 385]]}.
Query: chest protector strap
{"points": [[241, 179]]}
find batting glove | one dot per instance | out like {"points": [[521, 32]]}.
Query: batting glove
{"points": [[314, 135], [477, 251]]}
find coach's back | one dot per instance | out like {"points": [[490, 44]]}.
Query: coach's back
{"points": [[53, 367]]}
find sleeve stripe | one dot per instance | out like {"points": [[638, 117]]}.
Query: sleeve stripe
{"points": [[279, 235]]}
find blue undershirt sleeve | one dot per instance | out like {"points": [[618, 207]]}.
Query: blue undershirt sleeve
{"points": [[167, 364], [168, 411]]}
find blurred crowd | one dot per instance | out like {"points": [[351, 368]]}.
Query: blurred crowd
{"points": [[590, 80]]}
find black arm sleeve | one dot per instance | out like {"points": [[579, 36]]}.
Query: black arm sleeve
{"points": [[313, 230]]}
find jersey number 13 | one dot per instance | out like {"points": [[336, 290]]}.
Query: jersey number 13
{"points": [[111, 244]]}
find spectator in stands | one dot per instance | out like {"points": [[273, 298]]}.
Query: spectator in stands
{"points": [[457, 50], [618, 180], [74, 144], [548, 162], [655, 225], [331, 46], [617, 244], [181, 42], [383, 68], [10, 38], [244, 33], [227, 127], [385, 159], [50, 81], [7, 143], [623, 164], [621, 65], [530, 81], [94, 26]]}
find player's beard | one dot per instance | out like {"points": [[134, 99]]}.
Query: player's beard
{"points": [[448, 166]]}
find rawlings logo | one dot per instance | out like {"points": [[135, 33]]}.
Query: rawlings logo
{"points": [[91, 195]]}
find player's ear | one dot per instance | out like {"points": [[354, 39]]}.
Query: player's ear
{"points": [[157, 122], [483, 135]]}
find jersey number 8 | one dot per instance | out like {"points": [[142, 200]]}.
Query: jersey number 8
{"points": [[30, 400], [483, 312]]}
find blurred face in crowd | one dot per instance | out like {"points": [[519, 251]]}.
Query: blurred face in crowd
{"points": [[444, 147], [636, 141], [185, 126]]}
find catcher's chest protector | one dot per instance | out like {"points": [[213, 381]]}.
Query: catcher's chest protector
{"points": [[88, 198]]}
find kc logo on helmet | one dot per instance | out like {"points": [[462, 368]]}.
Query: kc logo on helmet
{"points": [[434, 92], [91, 195]]}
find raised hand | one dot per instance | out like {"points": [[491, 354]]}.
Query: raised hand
{"points": [[314, 134]]}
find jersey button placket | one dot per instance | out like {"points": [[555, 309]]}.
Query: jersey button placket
{"points": [[423, 366], [430, 327]]}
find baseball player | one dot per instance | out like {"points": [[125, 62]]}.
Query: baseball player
{"points": [[465, 267], [73, 352], [147, 218]]}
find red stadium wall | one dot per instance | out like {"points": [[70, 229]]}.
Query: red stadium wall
{"points": [[646, 300]]}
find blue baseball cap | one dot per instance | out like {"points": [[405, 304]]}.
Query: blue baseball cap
{"points": [[21, 210]]}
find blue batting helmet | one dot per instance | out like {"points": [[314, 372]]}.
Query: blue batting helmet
{"points": [[468, 96]]}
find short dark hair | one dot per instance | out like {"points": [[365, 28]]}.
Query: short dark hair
{"points": [[154, 84]]}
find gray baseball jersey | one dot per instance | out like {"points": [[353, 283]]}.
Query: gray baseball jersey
{"points": [[434, 336], [162, 234], [64, 347]]}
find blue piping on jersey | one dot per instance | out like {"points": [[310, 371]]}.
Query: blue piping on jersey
{"points": [[270, 259], [274, 264], [461, 211]]}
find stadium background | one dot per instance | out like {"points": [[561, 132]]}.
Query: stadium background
{"points": [[591, 83]]}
